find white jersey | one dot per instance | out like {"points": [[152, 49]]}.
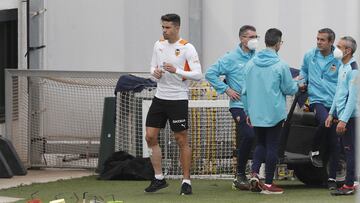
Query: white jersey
{"points": [[183, 56]]}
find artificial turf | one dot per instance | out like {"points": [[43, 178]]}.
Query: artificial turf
{"points": [[133, 191]]}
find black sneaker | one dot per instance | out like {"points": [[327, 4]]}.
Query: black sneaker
{"points": [[332, 184], [344, 190], [255, 183], [156, 185], [316, 160], [240, 183], [186, 189]]}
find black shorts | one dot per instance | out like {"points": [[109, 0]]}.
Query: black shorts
{"points": [[176, 111]]}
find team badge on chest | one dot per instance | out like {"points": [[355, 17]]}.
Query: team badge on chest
{"points": [[177, 52], [333, 68]]}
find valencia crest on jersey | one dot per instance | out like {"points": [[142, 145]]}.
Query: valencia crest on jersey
{"points": [[177, 52]]}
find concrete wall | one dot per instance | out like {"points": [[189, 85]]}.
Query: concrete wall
{"points": [[298, 20], [112, 36], [119, 35], [8, 4]]}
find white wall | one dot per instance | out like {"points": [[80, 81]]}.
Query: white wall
{"points": [[8, 4], [119, 35], [298, 20], [112, 36]]}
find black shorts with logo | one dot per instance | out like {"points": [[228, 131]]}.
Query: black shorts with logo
{"points": [[176, 111]]}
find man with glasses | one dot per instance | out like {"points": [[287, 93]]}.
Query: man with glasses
{"points": [[319, 72], [231, 65], [268, 81], [344, 109]]}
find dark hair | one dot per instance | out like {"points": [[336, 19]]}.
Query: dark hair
{"points": [[272, 37], [350, 43], [331, 34], [245, 28], [171, 17]]}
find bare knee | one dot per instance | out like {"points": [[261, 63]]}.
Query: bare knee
{"points": [[151, 137], [181, 139], [151, 141]]}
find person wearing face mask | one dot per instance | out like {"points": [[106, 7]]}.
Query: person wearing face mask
{"points": [[344, 109], [231, 65], [268, 81], [319, 72]]}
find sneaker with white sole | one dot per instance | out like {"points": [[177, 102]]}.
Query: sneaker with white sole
{"points": [[273, 189], [156, 185], [344, 190], [240, 183], [185, 189]]}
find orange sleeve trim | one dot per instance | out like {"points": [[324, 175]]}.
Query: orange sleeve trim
{"points": [[186, 68], [183, 42]]}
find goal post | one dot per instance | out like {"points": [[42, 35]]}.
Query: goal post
{"points": [[54, 118], [193, 104], [211, 131]]}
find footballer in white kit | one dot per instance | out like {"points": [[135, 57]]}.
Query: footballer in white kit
{"points": [[174, 62]]}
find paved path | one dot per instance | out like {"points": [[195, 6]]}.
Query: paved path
{"points": [[9, 199], [43, 176], [40, 176]]}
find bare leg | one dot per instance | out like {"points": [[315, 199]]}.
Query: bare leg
{"points": [[152, 142], [185, 153]]}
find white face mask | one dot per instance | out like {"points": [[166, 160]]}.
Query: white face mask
{"points": [[338, 54], [253, 44]]}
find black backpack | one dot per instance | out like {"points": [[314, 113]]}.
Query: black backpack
{"points": [[123, 166]]}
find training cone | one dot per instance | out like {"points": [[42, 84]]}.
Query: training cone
{"points": [[114, 201], [58, 201]]}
